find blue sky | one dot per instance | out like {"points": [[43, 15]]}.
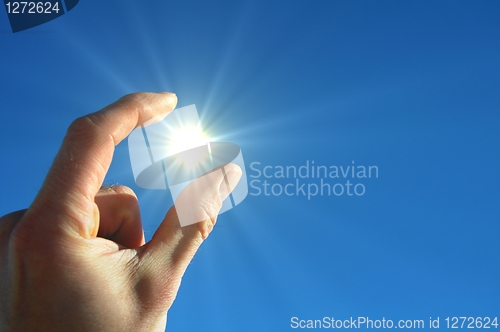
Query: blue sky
{"points": [[411, 87]]}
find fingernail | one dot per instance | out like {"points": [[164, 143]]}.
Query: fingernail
{"points": [[166, 93]]}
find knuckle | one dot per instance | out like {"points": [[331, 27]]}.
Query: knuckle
{"points": [[22, 239], [8, 222], [206, 208], [209, 210], [138, 100], [85, 126], [211, 206]]}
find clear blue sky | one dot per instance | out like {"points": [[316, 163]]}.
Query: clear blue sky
{"points": [[411, 87]]}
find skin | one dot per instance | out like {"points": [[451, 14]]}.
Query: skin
{"points": [[76, 259]]}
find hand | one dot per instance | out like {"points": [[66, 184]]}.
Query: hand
{"points": [[76, 259]]}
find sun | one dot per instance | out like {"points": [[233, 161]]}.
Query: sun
{"points": [[186, 138]]}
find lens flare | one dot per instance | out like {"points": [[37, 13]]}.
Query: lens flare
{"points": [[186, 138]]}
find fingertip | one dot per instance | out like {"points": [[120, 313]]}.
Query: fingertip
{"points": [[120, 218], [233, 175], [119, 190], [164, 102], [167, 93], [170, 97]]}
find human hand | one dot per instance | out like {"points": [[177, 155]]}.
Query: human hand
{"points": [[76, 259]]}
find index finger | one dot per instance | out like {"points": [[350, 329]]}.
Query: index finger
{"points": [[85, 156]]}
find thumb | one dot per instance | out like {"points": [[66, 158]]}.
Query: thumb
{"points": [[201, 201], [166, 257]]}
